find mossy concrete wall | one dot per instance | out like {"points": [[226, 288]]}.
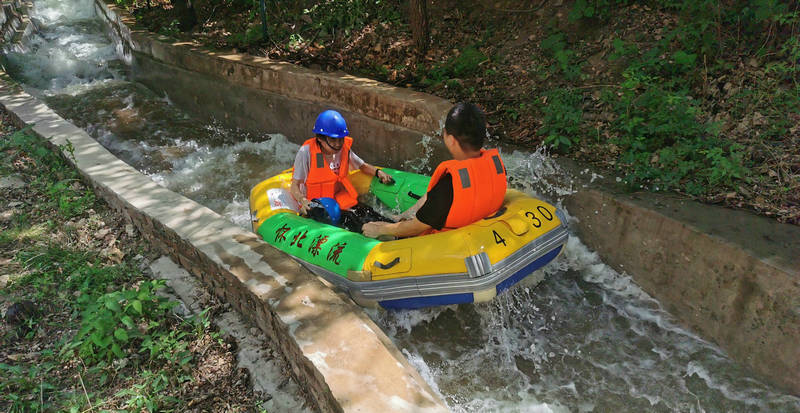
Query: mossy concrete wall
{"points": [[340, 357], [730, 276]]}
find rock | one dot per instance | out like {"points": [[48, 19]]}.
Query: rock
{"points": [[759, 119], [17, 313], [101, 233], [130, 230], [11, 181]]}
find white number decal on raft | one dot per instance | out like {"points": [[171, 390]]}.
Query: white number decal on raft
{"points": [[282, 199]]}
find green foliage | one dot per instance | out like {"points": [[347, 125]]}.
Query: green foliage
{"points": [[116, 322], [323, 20], [58, 182], [347, 15], [593, 8], [21, 385], [664, 147], [555, 46], [466, 64], [53, 269], [255, 35], [147, 395], [562, 119], [172, 29]]}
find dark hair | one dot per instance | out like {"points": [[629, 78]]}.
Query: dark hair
{"points": [[467, 123]]}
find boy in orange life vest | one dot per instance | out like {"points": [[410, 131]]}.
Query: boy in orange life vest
{"points": [[323, 162], [463, 190]]}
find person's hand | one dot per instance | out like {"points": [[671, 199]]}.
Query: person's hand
{"points": [[304, 206], [384, 177], [374, 229]]}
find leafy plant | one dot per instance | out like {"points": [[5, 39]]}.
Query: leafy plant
{"points": [[562, 119], [663, 144], [22, 385], [555, 46], [466, 64], [593, 8], [147, 395], [121, 320]]}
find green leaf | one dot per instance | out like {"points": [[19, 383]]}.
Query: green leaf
{"points": [[117, 350], [128, 322], [137, 305], [113, 305], [121, 335], [96, 339]]}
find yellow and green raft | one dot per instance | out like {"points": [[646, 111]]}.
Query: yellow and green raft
{"points": [[470, 264]]}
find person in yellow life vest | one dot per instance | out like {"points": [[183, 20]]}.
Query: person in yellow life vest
{"points": [[321, 167], [463, 190]]}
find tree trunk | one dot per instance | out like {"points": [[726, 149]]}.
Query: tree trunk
{"points": [[185, 14], [418, 17]]}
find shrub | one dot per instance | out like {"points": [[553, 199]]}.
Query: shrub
{"points": [[562, 119]]}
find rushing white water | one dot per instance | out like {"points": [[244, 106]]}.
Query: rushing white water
{"points": [[586, 339]]}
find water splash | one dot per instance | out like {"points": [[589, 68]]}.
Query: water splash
{"points": [[422, 164]]}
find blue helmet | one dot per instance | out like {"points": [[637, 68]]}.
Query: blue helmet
{"points": [[331, 123], [325, 210]]}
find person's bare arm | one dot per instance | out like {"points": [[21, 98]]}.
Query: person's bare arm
{"points": [[400, 229], [411, 212], [298, 196], [371, 171]]}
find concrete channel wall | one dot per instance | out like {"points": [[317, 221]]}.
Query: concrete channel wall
{"points": [[730, 276]]}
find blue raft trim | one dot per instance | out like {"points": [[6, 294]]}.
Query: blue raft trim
{"points": [[528, 269], [430, 301], [437, 300]]}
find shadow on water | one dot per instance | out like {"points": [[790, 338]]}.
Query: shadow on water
{"points": [[586, 339]]}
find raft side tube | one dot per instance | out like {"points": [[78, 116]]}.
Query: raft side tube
{"points": [[422, 291]]}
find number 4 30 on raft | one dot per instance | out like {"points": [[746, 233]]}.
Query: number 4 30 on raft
{"points": [[535, 221]]}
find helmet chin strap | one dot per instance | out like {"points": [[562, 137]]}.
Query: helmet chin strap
{"points": [[329, 145]]}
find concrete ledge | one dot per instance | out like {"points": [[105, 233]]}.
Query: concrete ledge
{"points": [[340, 357], [731, 276]]}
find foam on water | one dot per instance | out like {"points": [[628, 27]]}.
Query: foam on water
{"points": [[70, 51], [587, 339]]}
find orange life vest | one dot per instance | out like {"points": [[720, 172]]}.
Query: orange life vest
{"points": [[321, 181], [479, 187]]}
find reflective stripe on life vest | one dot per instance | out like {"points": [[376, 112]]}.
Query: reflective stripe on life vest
{"points": [[321, 181], [479, 187]]}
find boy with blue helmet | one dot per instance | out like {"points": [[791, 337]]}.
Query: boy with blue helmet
{"points": [[322, 165]]}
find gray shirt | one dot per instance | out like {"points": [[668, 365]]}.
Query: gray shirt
{"points": [[303, 160]]}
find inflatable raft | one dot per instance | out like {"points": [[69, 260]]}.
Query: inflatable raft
{"points": [[470, 264]]}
